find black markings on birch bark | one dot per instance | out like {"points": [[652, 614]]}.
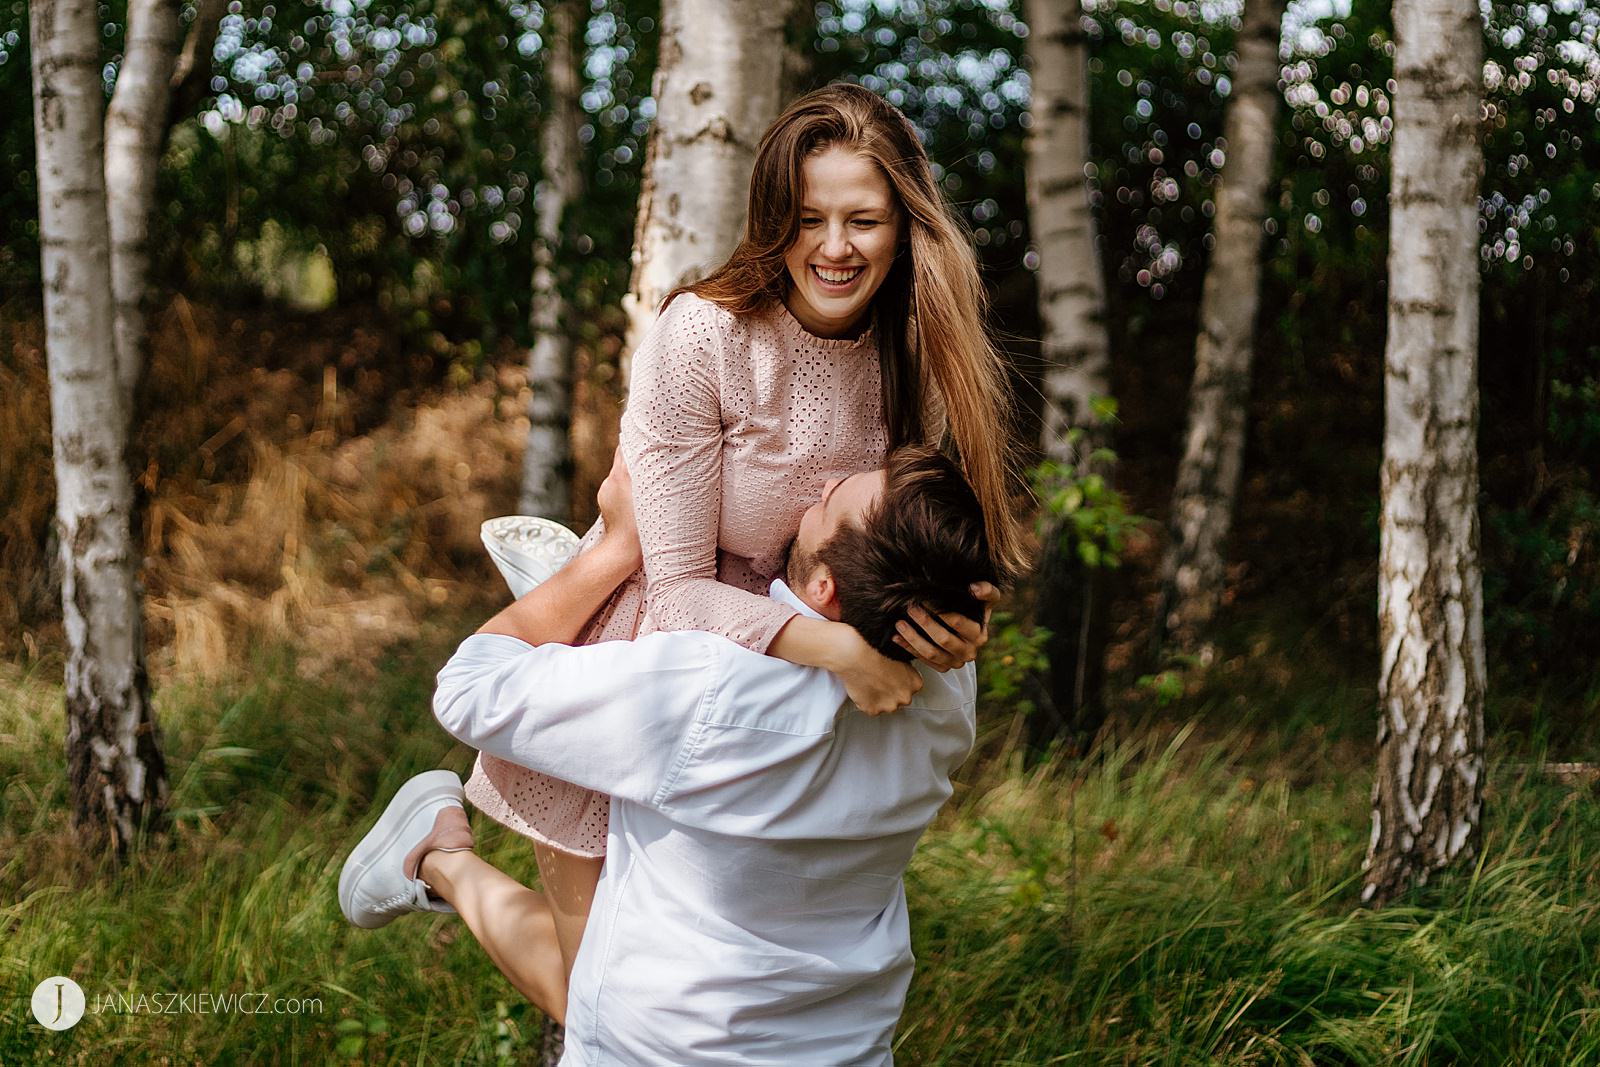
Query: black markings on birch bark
{"points": [[1207, 485], [1427, 797]]}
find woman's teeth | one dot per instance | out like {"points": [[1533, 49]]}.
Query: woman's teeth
{"points": [[836, 277]]}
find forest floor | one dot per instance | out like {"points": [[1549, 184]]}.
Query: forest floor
{"points": [[1185, 892]]}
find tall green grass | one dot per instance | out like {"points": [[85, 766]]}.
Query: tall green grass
{"points": [[1187, 894], [1173, 901]]}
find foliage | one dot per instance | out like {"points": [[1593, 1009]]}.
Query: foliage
{"points": [[1167, 685], [1011, 664], [1077, 500], [1544, 574], [19, 193], [1097, 515], [1185, 894], [397, 137]]}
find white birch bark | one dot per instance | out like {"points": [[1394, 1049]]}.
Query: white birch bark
{"points": [[1075, 353], [717, 89], [116, 774], [547, 459], [1074, 346], [1208, 474], [136, 127], [1427, 797]]}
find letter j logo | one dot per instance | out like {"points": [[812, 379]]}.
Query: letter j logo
{"points": [[58, 1002]]}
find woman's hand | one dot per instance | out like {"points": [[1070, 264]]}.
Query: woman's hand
{"points": [[616, 511], [955, 639], [876, 683]]}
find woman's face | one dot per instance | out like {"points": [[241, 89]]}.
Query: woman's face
{"points": [[849, 230]]}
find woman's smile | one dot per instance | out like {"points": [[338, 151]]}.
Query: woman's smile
{"points": [[837, 281]]}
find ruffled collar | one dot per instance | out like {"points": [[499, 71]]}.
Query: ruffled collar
{"points": [[867, 342]]}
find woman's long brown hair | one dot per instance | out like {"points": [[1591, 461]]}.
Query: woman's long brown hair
{"points": [[929, 311]]}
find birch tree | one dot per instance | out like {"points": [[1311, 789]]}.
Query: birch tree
{"points": [[136, 127], [117, 776], [716, 93], [547, 460], [1072, 299], [1427, 798], [1074, 347], [1208, 474]]}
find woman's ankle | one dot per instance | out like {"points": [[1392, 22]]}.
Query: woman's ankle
{"points": [[441, 868]]}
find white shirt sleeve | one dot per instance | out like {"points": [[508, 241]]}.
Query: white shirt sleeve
{"points": [[616, 717]]}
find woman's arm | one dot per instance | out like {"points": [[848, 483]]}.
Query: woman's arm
{"points": [[555, 611], [873, 681], [672, 442]]}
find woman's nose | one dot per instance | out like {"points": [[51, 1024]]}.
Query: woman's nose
{"points": [[837, 244]]}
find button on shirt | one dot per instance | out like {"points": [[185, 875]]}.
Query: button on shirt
{"points": [[751, 909]]}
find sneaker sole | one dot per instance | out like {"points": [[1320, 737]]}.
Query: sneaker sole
{"points": [[414, 794]]}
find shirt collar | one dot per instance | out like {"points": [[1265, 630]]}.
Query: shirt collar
{"points": [[781, 592]]}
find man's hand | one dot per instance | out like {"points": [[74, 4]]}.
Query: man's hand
{"points": [[955, 638], [616, 511]]}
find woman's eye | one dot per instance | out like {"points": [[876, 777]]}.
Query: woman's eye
{"points": [[866, 222]]}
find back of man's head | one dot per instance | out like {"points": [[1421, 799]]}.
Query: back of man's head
{"points": [[922, 542]]}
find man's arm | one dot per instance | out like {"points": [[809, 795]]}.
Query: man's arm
{"points": [[556, 610], [612, 717]]}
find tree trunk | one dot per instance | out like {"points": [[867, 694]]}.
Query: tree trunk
{"points": [[191, 79], [1208, 474], [547, 460], [117, 777], [716, 93], [136, 126], [1427, 798], [1075, 353], [799, 65], [1072, 298]]}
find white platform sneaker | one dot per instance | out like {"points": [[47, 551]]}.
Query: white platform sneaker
{"points": [[380, 880]]}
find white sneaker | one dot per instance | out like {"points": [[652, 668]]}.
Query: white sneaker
{"points": [[375, 886], [526, 549]]}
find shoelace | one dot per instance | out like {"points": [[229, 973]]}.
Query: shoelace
{"points": [[415, 895]]}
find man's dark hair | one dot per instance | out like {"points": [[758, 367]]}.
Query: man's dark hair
{"points": [[922, 542]]}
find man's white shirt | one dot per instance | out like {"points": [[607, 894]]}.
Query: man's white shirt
{"points": [[751, 909]]}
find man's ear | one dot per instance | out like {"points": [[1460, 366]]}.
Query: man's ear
{"points": [[824, 590]]}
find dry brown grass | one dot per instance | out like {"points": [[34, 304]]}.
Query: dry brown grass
{"points": [[302, 479]]}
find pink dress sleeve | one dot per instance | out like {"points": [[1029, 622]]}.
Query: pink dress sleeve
{"points": [[671, 437]]}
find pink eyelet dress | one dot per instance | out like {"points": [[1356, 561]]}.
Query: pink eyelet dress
{"points": [[733, 425]]}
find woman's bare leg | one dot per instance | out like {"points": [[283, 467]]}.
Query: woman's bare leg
{"points": [[569, 883], [514, 924]]}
